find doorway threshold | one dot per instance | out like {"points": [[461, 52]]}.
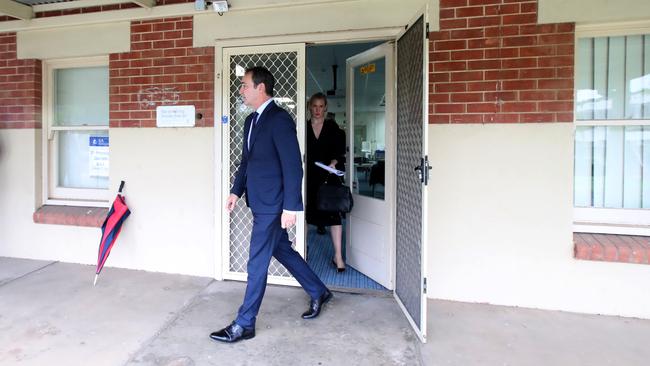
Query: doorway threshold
{"points": [[319, 257]]}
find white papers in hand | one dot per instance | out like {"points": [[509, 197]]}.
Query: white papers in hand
{"points": [[329, 169]]}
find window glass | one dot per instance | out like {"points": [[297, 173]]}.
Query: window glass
{"points": [[81, 96], [370, 128], [613, 78], [612, 163], [83, 159], [612, 167]]}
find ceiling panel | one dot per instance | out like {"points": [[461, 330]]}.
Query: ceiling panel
{"points": [[41, 2]]}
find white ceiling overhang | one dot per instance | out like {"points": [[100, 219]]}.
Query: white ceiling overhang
{"points": [[16, 9], [25, 9]]}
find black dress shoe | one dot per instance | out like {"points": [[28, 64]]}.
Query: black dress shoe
{"points": [[233, 333], [315, 306], [338, 269]]}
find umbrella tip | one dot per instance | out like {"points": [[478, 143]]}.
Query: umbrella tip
{"points": [[95, 281]]}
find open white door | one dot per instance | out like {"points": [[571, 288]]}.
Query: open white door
{"points": [[287, 64], [412, 173], [371, 159]]}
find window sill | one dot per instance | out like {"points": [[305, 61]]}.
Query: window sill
{"points": [[69, 215], [612, 248]]}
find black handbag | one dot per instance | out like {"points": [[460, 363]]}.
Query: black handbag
{"points": [[334, 197]]}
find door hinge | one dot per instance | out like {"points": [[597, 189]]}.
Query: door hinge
{"points": [[424, 285], [427, 30]]}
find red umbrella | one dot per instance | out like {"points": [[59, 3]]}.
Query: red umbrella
{"points": [[111, 229]]}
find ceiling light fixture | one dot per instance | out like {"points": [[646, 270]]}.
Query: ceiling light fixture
{"points": [[220, 7]]}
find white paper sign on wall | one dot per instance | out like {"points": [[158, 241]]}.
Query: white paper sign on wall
{"points": [[175, 116]]}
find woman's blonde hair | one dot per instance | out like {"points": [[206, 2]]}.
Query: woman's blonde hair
{"points": [[316, 97]]}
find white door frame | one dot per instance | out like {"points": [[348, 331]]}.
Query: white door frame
{"points": [[220, 193], [386, 49], [224, 129]]}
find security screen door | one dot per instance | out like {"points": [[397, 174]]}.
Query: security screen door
{"points": [[286, 63], [412, 173]]}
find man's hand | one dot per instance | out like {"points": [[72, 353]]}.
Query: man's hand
{"points": [[287, 220], [230, 202], [333, 163]]}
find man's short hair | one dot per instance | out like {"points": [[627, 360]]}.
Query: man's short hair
{"points": [[261, 74]]}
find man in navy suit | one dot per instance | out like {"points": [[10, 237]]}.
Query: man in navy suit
{"points": [[270, 175]]}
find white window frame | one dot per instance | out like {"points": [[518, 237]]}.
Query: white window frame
{"points": [[52, 193], [607, 220]]}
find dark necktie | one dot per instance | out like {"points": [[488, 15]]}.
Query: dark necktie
{"points": [[253, 125]]}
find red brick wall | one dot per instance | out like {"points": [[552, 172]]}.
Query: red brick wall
{"points": [[20, 87], [162, 69], [492, 63]]}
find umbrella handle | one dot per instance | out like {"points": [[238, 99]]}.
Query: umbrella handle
{"points": [[121, 186]]}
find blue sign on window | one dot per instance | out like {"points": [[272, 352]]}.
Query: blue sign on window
{"points": [[98, 141]]}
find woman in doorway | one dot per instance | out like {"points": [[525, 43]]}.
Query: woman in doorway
{"points": [[325, 144]]}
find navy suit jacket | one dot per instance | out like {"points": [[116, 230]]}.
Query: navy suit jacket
{"points": [[270, 173]]}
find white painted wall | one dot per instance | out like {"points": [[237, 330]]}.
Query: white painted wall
{"points": [[291, 18], [86, 40], [592, 11], [169, 174], [500, 214], [19, 236], [170, 190]]}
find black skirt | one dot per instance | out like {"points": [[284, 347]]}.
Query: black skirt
{"points": [[322, 218]]}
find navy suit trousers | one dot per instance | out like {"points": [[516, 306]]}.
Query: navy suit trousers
{"points": [[270, 239]]}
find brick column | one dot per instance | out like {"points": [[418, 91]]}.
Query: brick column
{"points": [[492, 63], [20, 87], [162, 69]]}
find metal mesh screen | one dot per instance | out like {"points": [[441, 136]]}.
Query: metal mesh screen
{"points": [[284, 67], [409, 152]]}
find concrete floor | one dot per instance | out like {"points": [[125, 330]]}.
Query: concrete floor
{"points": [[50, 314]]}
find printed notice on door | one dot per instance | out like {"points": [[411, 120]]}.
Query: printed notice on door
{"points": [[98, 156]]}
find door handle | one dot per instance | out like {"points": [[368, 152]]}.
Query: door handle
{"points": [[423, 170], [418, 169]]}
